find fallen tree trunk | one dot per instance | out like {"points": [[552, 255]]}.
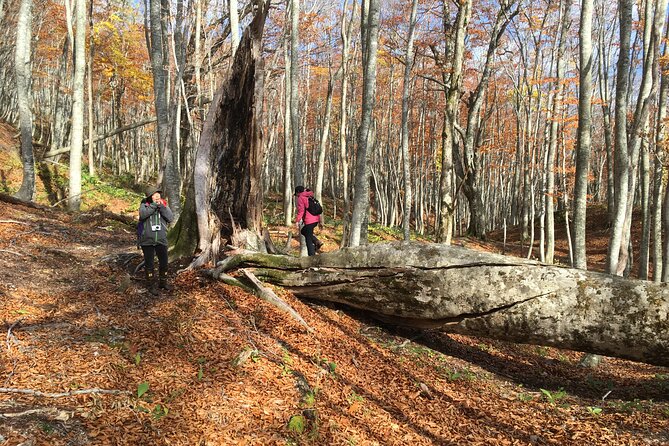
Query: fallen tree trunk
{"points": [[481, 294]]}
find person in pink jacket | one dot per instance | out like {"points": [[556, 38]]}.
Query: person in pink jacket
{"points": [[305, 221]]}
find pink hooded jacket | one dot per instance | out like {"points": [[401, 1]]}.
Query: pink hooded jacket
{"points": [[302, 205]]}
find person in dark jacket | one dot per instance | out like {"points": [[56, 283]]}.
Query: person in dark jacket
{"points": [[155, 215], [305, 221]]}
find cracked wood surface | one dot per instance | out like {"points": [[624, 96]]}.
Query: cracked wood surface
{"points": [[481, 294]]}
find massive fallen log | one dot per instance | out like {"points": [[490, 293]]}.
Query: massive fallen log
{"points": [[480, 294]]}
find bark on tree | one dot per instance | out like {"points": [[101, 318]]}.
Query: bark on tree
{"points": [[228, 165], [234, 25], [287, 138], [660, 146], [453, 87], [74, 199], [627, 150], [322, 146], [89, 91], [432, 285], [467, 167], [406, 169], [370, 39], [158, 55], [554, 127], [294, 92], [345, 33], [584, 133], [23, 72]]}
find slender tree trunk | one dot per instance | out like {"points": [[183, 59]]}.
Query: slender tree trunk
{"points": [[370, 27], [74, 200], [645, 210], [468, 169], [23, 72], [343, 115], [320, 171], [234, 25], [584, 134], [405, 122], [621, 156], [287, 136], [89, 88], [294, 92], [554, 127], [158, 57], [651, 38], [660, 157]]}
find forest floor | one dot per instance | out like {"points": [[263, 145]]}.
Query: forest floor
{"points": [[208, 364]]}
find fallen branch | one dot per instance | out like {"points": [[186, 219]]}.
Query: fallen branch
{"points": [[254, 286], [64, 394], [72, 196], [97, 138], [12, 252], [10, 335], [14, 222], [50, 412], [269, 296]]}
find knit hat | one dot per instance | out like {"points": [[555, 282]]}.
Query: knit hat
{"points": [[299, 190], [152, 190]]}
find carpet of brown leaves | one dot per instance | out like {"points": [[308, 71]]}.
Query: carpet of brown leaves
{"points": [[225, 368]]}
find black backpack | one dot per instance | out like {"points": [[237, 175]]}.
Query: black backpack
{"points": [[314, 207]]}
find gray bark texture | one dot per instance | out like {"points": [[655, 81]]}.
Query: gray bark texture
{"points": [[158, 56], [481, 294], [23, 72], [583, 146], [370, 39], [74, 200]]}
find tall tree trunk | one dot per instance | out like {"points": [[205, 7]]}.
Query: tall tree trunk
{"points": [[660, 157], [229, 159], [294, 92], [89, 90], [74, 200], [158, 57], [370, 30], [584, 134], [343, 115], [620, 135], [654, 14], [645, 211], [467, 168], [287, 135], [554, 127], [322, 146], [23, 72], [406, 170], [234, 25], [453, 83]]}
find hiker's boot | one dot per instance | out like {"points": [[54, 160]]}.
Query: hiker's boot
{"points": [[163, 281], [151, 284], [317, 245]]}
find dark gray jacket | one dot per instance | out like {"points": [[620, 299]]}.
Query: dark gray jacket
{"points": [[152, 215]]}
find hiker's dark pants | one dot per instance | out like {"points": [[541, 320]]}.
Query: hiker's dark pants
{"points": [[308, 232], [150, 251]]}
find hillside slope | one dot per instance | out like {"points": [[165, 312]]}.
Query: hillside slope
{"points": [[74, 321]]}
